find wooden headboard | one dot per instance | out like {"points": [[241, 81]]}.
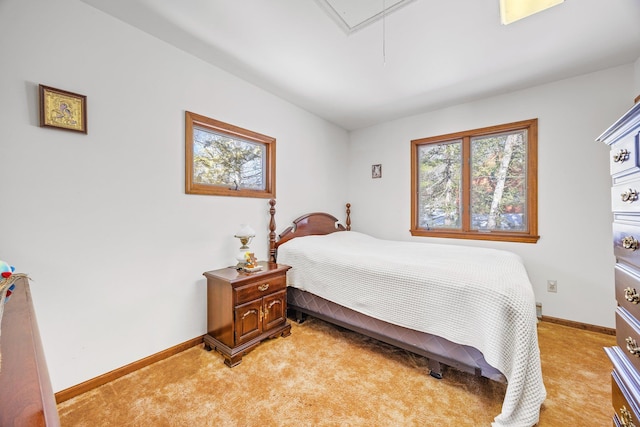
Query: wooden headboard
{"points": [[317, 223]]}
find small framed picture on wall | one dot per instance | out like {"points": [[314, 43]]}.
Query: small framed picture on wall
{"points": [[63, 110], [376, 171]]}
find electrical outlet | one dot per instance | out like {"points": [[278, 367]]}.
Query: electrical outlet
{"points": [[552, 286]]}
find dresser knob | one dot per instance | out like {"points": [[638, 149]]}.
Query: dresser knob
{"points": [[629, 196], [630, 243], [265, 286], [632, 346], [621, 155], [626, 419], [631, 295]]}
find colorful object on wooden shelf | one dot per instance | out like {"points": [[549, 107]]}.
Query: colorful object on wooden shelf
{"points": [[7, 295], [6, 270], [6, 286]]}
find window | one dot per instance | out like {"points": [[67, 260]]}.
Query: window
{"points": [[479, 184], [225, 160]]}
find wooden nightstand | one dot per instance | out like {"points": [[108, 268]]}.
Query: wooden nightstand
{"points": [[243, 309]]}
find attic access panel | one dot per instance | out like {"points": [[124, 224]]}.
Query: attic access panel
{"points": [[352, 15]]}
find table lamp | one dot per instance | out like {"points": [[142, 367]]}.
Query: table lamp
{"points": [[245, 234]]}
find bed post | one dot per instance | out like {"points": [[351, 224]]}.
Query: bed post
{"points": [[348, 222], [272, 231]]}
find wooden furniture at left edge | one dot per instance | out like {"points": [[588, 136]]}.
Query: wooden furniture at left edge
{"points": [[26, 396]]}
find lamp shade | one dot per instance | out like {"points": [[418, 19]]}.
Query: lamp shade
{"points": [[245, 231]]}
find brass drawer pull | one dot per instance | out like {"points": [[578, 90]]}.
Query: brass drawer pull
{"points": [[250, 312], [629, 196], [621, 155], [631, 295], [630, 243], [626, 419], [265, 286], [632, 346]]}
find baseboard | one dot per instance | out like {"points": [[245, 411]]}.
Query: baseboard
{"points": [[578, 325], [84, 387]]}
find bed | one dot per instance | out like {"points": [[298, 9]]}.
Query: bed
{"points": [[465, 307]]}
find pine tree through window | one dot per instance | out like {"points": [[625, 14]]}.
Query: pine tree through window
{"points": [[225, 160], [478, 184]]}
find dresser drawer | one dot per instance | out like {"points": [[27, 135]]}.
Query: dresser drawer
{"points": [[625, 394], [626, 243], [260, 288], [626, 197], [628, 336], [623, 158], [622, 402], [628, 290]]}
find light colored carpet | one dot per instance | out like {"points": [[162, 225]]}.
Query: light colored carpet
{"points": [[322, 375]]}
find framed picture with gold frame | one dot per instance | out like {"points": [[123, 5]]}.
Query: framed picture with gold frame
{"points": [[63, 110]]}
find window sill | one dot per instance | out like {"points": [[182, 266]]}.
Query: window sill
{"points": [[477, 235]]}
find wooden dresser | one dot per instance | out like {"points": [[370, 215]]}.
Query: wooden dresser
{"points": [[26, 397], [624, 139], [243, 309]]}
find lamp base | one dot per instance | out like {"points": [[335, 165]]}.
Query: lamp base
{"points": [[241, 255], [252, 269]]}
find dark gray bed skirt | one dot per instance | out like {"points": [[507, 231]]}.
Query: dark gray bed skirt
{"points": [[436, 349]]}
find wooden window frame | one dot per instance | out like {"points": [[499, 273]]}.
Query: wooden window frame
{"points": [[528, 236], [195, 120]]}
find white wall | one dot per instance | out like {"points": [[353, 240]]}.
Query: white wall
{"points": [[100, 222], [575, 247]]}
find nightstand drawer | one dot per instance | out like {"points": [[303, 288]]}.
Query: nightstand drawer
{"points": [[260, 288]]}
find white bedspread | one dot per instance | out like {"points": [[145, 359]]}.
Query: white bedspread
{"points": [[472, 296]]}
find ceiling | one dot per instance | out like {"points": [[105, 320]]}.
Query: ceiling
{"points": [[422, 56]]}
